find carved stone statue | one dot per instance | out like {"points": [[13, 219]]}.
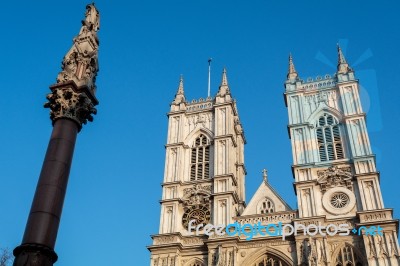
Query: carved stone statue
{"points": [[92, 19], [305, 249], [80, 64]]}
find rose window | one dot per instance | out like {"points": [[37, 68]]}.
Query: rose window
{"points": [[340, 200]]}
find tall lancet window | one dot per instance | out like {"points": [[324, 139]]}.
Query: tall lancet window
{"points": [[200, 159], [328, 136]]}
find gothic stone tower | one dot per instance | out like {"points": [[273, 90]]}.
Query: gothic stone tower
{"points": [[204, 175], [334, 169]]}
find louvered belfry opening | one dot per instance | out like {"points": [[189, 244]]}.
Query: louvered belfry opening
{"points": [[200, 159], [329, 140]]}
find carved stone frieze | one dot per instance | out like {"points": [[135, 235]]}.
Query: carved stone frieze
{"points": [[250, 244], [378, 215], [269, 218], [334, 177], [193, 241], [165, 240]]}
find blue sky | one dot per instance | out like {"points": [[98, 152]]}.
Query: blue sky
{"points": [[111, 207]]}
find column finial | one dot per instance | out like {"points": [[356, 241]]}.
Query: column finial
{"points": [[73, 96]]}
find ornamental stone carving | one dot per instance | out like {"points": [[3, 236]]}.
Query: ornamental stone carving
{"points": [[80, 64], [73, 97], [68, 102], [334, 177], [197, 195]]}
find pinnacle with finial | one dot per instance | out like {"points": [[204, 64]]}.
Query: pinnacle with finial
{"points": [[180, 94], [341, 59], [224, 80], [180, 87], [224, 87], [265, 175], [342, 67], [292, 74]]}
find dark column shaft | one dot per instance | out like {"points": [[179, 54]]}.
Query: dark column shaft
{"points": [[44, 217]]}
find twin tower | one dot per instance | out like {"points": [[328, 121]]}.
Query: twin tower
{"points": [[335, 180]]}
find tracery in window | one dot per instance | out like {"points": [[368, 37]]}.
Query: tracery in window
{"points": [[267, 206], [270, 260], [329, 140], [200, 159], [348, 257]]}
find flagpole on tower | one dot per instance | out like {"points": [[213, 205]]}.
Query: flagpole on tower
{"points": [[209, 74]]}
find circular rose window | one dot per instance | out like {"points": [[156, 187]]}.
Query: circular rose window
{"points": [[339, 200]]}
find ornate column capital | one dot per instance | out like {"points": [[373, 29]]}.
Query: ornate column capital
{"points": [[69, 101]]}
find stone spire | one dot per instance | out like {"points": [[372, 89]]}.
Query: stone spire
{"points": [[292, 74], [342, 67], [180, 94], [224, 87], [224, 80]]}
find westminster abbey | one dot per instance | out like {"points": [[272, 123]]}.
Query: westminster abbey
{"points": [[335, 179]]}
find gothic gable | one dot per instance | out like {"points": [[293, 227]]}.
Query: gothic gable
{"points": [[266, 200]]}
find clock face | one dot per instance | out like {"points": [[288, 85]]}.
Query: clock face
{"points": [[200, 215]]}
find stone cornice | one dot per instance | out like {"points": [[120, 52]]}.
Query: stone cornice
{"points": [[375, 215], [227, 136], [348, 117], [284, 217], [231, 193], [177, 144], [231, 176]]}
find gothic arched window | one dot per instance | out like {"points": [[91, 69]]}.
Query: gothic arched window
{"points": [[200, 159], [267, 206], [328, 136], [270, 260], [348, 256]]}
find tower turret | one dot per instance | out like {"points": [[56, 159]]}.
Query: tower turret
{"points": [[179, 102], [224, 94], [344, 71], [292, 74]]}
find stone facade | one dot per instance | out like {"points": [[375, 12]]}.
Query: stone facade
{"points": [[335, 180]]}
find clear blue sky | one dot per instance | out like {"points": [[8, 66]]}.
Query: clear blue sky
{"points": [[112, 208]]}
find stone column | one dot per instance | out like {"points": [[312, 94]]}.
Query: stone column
{"points": [[71, 103]]}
